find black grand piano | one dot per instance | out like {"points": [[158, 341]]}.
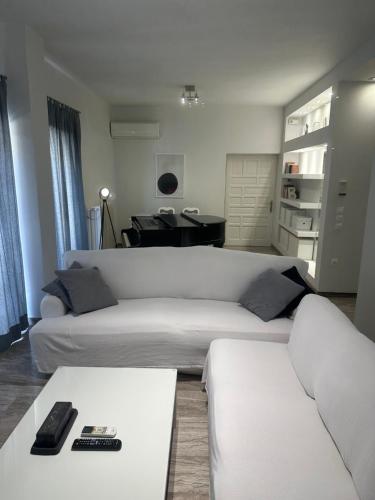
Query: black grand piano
{"points": [[180, 230]]}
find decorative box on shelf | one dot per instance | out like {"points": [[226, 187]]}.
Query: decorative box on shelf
{"points": [[290, 213], [301, 222]]}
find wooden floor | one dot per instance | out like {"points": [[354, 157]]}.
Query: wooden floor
{"points": [[20, 383]]}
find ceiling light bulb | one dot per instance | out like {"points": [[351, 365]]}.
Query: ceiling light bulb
{"points": [[183, 100], [104, 193], [372, 78]]}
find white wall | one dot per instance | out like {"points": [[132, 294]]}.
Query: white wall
{"points": [[365, 310], [205, 135], [353, 139]]}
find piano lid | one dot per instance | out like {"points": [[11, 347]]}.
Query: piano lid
{"points": [[173, 221], [204, 220]]}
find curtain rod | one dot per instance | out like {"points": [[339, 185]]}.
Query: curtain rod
{"points": [[62, 104]]}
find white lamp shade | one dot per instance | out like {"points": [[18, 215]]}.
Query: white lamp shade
{"points": [[104, 193]]}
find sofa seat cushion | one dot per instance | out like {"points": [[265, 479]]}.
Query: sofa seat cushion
{"points": [[267, 440], [147, 332]]}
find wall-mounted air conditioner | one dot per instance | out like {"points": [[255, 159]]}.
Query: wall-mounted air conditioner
{"points": [[122, 130]]}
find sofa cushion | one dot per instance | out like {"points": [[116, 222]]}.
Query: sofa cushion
{"points": [[269, 294], [57, 289], [190, 272], [319, 329], [147, 332], [336, 365], [295, 276], [345, 396], [267, 440], [86, 289]]}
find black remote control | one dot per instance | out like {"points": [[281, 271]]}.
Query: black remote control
{"points": [[54, 425], [96, 445]]}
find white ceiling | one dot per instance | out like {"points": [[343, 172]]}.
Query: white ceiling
{"points": [[237, 51]]}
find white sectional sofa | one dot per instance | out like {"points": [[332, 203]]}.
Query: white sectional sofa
{"points": [[172, 303], [296, 421]]}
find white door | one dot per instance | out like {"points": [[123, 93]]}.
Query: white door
{"points": [[250, 181]]}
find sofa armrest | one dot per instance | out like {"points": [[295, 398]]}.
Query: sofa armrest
{"points": [[52, 307]]}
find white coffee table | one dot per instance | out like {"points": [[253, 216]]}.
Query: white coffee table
{"points": [[139, 402]]}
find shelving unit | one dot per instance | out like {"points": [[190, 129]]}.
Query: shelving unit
{"points": [[303, 176], [312, 140], [303, 205], [299, 233], [312, 117], [307, 135], [331, 182]]}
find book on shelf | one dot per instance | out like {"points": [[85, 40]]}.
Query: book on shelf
{"points": [[291, 167], [290, 192]]}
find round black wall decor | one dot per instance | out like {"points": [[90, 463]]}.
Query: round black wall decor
{"points": [[168, 183]]}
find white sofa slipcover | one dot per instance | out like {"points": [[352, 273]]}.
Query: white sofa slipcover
{"points": [[294, 422], [172, 303]]}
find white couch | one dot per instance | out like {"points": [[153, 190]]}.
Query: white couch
{"points": [[172, 303], [297, 421]]}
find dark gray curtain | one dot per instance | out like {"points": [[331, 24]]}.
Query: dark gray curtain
{"points": [[13, 318], [65, 148]]}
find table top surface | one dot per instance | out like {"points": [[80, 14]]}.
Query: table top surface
{"points": [[138, 401]]}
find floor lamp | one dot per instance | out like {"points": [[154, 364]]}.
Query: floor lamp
{"points": [[104, 194]]}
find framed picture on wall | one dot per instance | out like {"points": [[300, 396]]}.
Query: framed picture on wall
{"points": [[170, 175]]}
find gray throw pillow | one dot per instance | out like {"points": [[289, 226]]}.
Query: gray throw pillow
{"points": [[57, 289], [86, 289], [269, 294]]}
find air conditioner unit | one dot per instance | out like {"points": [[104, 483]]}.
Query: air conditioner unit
{"points": [[121, 130]]}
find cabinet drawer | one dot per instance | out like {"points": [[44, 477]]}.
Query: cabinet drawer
{"points": [[300, 247]]}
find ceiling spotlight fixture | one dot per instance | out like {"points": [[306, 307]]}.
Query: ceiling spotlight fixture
{"points": [[372, 78], [190, 96]]}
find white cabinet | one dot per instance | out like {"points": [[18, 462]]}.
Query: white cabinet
{"points": [[295, 246], [301, 247]]}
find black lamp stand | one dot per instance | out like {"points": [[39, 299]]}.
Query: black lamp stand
{"points": [[105, 208]]}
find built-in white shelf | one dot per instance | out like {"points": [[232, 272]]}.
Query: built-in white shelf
{"points": [[299, 233], [312, 116], [303, 176], [311, 152], [302, 204], [317, 139]]}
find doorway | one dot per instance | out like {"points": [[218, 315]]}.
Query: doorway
{"points": [[249, 192]]}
